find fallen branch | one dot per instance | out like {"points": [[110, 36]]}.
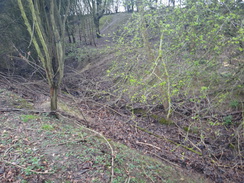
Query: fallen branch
{"points": [[22, 110], [37, 172], [72, 141], [163, 159], [148, 145]]}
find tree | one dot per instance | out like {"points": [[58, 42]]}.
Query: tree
{"points": [[97, 9], [46, 26], [13, 34], [129, 5], [169, 50], [84, 19]]}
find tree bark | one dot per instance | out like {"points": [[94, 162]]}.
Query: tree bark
{"points": [[54, 98], [69, 35], [96, 22]]}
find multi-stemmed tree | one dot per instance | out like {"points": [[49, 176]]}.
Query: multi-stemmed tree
{"points": [[45, 21]]}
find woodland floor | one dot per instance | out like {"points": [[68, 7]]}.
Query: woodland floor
{"points": [[37, 148]]}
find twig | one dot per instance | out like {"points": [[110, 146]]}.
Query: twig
{"points": [[112, 151], [148, 145], [127, 180], [164, 159], [5, 153], [146, 174]]}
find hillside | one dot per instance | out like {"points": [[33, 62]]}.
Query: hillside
{"points": [[38, 148], [112, 125]]}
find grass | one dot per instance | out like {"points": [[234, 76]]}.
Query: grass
{"points": [[47, 127], [26, 118]]}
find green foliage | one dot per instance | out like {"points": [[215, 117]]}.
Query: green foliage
{"points": [[188, 60], [34, 163], [234, 103], [26, 118], [228, 120], [47, 127]]}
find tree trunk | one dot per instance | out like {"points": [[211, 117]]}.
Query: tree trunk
{"points": [[69, 35], [80, 33], [54, 96], [73, 37], [96, 22]]}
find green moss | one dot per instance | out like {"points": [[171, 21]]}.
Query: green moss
{"points": [[186, 128], [156, 117], [232, 146], [24, 104], [194, 130], [70, 110], [18, 102], [161, 119], [140, 111]]}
